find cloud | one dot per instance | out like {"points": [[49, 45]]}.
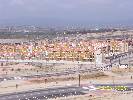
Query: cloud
{"points": [[66, 10]]}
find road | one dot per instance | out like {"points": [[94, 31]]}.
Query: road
{"points": [[44, 94], [46, 61]]}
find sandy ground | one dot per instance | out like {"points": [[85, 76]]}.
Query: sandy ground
{"points": [[118, 76]]}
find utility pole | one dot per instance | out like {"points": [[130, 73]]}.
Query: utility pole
{"points": [[79, 76], [79, 79]]}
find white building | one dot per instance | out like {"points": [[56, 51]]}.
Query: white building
{"points": [[98, 57]]}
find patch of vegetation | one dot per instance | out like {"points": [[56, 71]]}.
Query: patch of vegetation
{"points": [[118, 88]]}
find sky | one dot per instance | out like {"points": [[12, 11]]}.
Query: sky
{"points": [[66, 12]]}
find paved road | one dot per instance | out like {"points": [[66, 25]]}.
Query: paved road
{"points": [[46, 61], [45, 94]]}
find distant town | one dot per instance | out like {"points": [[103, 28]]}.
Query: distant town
{"points": [[39, 63]]}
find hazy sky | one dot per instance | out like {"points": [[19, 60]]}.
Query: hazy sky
{"points": [[65, 12]]}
